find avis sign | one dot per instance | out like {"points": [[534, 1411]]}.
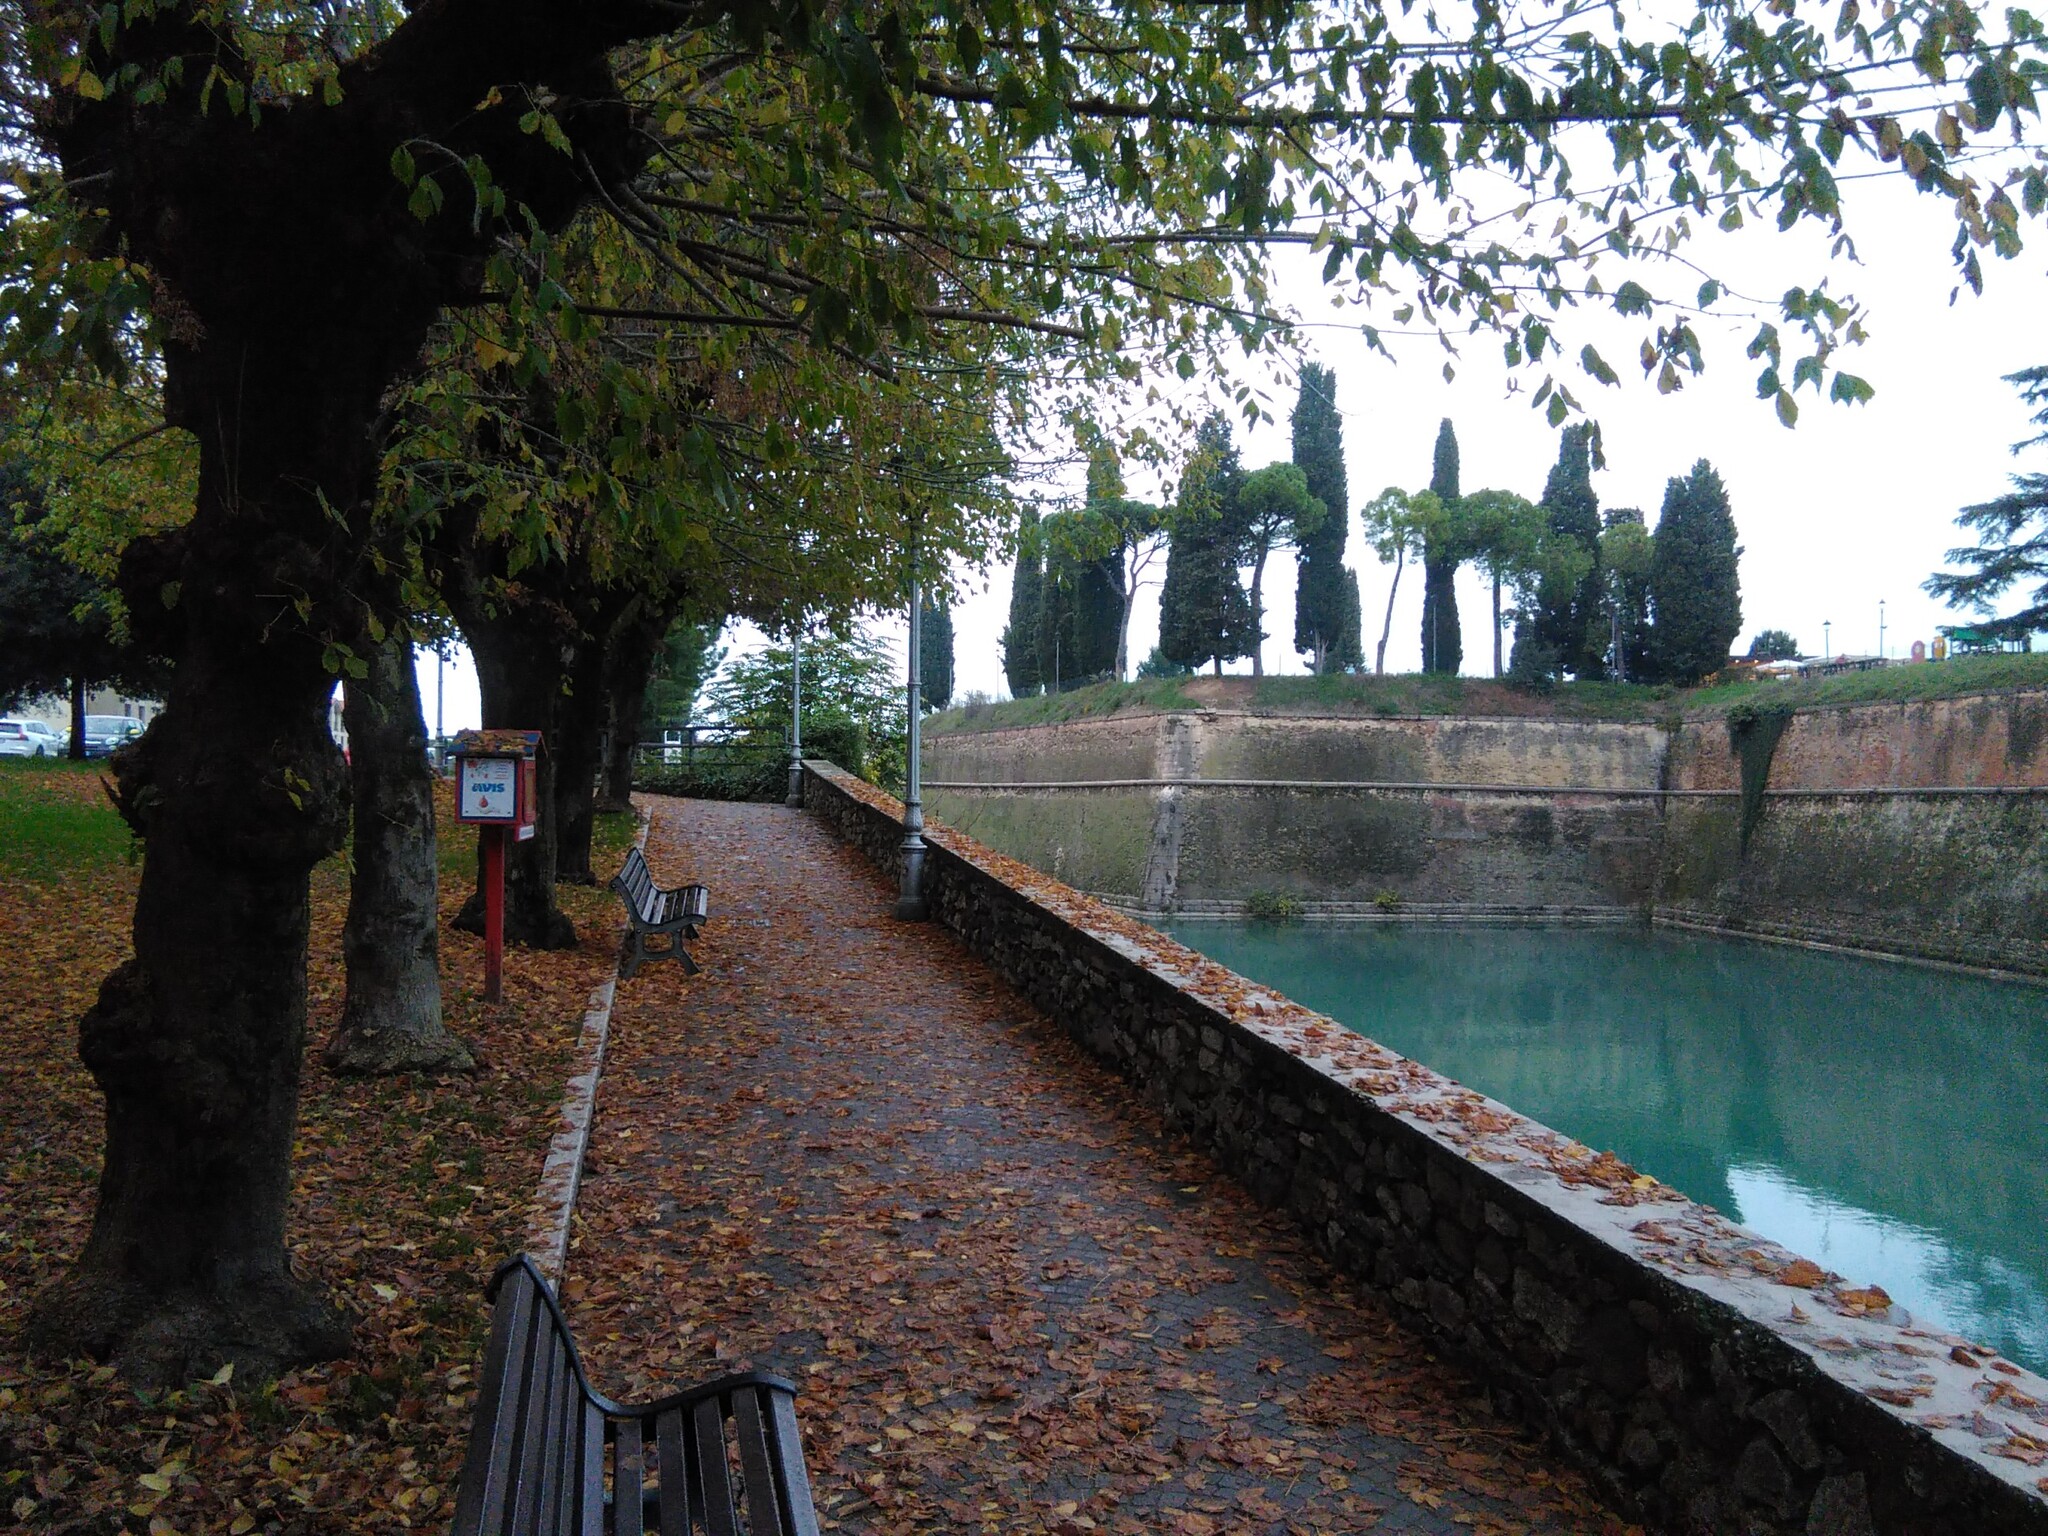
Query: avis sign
{"points": [[489, 789]]}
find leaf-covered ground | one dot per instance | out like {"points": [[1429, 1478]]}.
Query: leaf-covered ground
{"points": [[1014, 1303], [407, 1194]]}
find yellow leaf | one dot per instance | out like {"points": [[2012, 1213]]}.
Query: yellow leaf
{"points": [[242, 1526], [224, 1375], [89, 86], [156, 1482]]}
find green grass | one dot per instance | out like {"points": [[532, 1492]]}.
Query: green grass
{"points": [[56, 822], [1150, 695], [1949, 679], [1415, 693], [1420, 693]]}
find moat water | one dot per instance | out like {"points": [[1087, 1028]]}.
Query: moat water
{"points": [[1887, 1121]]}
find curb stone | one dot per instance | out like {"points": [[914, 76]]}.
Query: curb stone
{"points": [[561, 1176]]}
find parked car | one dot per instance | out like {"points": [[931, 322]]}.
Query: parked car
{"points": [[29, 738], [103, 733]]}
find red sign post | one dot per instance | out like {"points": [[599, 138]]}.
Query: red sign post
{"points": [[496, 791]]}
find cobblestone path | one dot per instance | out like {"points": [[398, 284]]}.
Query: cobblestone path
{"points": [[1014, 1303]]}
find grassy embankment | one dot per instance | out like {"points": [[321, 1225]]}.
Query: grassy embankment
{"points": [[1424, 694], [406, 1192]]}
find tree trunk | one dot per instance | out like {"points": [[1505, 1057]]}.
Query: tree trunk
{"points": [[1379, 660], [629, 663], [1259, 612], [237, 790], [76, 750], [391, 945], [520, 670], [1496, 626], [625, 702], [291, 285], [579, 724]]}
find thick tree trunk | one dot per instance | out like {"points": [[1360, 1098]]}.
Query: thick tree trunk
{"points": [[625, 702], [521, 682], [237, 790], [76, 749], [391, 945], [291, 284], [1379, 660], [578, 731]]}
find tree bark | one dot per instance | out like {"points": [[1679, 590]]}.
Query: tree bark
{"points": [[1496, 626], [519, 667], [391, 945], [75, 750], [1379, 660], [1259, 611], [579, 724], [628, 666]]}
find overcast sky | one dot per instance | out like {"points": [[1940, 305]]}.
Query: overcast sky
{"points": [[1853, 506]]}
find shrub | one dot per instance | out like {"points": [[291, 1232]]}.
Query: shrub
{"points": [[1272, 907], [1387, 900]]}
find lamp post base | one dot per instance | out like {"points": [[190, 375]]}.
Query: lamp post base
{"points": [[910, 906], [796, 786]]}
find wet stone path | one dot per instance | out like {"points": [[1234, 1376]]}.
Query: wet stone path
{"points": [[1013, 1302]]}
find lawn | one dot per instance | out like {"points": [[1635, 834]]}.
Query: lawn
{"points": [[406, 1193]]}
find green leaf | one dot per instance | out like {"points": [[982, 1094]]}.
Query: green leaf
{"points": [[1850, 390], [1632, 298], [1788, 408], [1593, 363], [1710, 291], [402, 165]]}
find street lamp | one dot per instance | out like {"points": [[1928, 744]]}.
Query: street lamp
{"points": [[796, 719], [1827, 640], [910, 905], [1880, 629]]}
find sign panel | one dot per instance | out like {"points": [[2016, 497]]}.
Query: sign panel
{"points": [[488, 789]]}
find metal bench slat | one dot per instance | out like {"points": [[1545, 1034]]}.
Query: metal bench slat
{"points": [[628, 1456], [486, 1471], [757, 1461], [714, 1472], [590, 1474], [675, 1480], [789, 1459], [533, 1433], [558, 1506]]}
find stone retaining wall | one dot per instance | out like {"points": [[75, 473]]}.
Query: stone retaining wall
{"points": [[1712, 1381]]}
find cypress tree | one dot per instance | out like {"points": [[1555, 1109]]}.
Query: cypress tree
{"points": [[1080, 612], [1020, 635], [1695, 586], [1204, 614], [1349, 654], [1443, 650], [1319, 589], [1570, 622], [935, 653]]}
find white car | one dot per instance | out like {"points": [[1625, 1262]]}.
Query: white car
{"points": [[29, 738]]}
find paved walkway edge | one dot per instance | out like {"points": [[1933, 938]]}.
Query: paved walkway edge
{"points": [[561, 1176]]}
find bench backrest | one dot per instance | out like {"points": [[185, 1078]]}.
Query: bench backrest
{"points": [[719, 1459]]}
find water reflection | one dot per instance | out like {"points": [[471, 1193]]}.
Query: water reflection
{"points": [[1887, 1121]]}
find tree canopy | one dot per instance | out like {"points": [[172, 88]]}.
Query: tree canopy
{"points": [[2012, 538], [1320, 589], [1695, 584]]}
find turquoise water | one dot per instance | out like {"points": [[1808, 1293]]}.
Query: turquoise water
{"points": [[1887, 1121]]}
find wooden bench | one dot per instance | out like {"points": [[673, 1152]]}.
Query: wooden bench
{"points": [[550, 1457], [652, 909]]}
